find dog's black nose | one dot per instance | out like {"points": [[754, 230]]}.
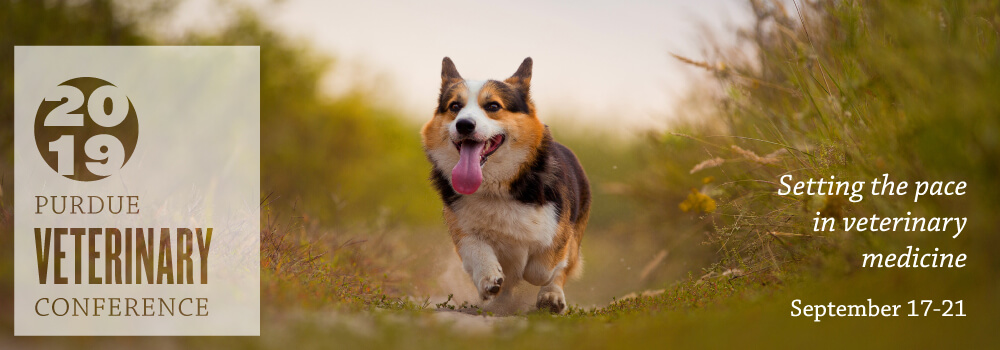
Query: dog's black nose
{"points": [[465, 126]]}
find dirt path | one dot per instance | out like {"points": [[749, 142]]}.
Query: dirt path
{"points": [[466, 322]]}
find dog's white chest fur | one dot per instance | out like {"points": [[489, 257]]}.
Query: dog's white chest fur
{"points": [[505, 219]]}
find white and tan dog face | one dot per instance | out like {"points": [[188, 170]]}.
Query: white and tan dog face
{"points": [[483, 131]]}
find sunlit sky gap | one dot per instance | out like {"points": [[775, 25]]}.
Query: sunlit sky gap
{"points": [[603, 63]]}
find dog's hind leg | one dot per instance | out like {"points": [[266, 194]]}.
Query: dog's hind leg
{"points": [[551, 297]]}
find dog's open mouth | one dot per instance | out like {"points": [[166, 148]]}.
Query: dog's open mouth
{"points": [[468, 173], [491, 145]]}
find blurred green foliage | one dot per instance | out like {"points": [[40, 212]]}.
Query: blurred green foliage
{"points": [[852, 89], [49, 23], [339, 160]]}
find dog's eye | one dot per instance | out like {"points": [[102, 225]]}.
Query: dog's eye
{"points": [[492, 107], [455, 106]]}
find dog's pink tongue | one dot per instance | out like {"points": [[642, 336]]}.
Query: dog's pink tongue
{"points": [[467, 175]]}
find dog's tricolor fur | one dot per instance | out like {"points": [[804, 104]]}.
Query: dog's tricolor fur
{"points": [[525, 206]]}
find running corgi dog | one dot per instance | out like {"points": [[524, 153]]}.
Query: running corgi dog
{"points": [[515, 201]]}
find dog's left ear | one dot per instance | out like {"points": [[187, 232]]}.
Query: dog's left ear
{"points": [[522, 77], [449, 74]]}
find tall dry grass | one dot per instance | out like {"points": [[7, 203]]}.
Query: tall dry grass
{"points": [[851, 89]]}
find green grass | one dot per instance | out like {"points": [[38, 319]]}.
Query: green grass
{"points": [[854, 90], [738, 311]]}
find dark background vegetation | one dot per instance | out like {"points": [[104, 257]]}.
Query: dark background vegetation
{"points": [[853, 89]]}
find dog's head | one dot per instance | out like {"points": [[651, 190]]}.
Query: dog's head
{"points": [[483, 131]]}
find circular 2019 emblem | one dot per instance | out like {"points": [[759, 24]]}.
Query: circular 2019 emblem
{"points": [[86, 129]]}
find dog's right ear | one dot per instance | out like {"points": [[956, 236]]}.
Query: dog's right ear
{"points": [[522, 78], [449, 74]]}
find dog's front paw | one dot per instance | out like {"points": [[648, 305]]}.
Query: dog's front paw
{"points": [[554, 301], [489, 285]]}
